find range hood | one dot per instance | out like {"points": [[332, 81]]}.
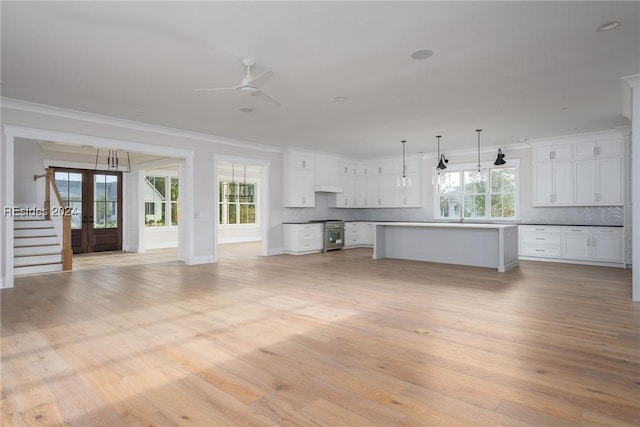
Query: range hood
{"points": [[327, 189]]}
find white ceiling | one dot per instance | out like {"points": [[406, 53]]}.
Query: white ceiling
{"points": [[516, 69]]}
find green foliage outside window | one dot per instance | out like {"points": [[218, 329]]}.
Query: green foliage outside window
{"points": [[493, 200]]}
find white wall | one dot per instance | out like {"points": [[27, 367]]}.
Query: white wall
{"points": [[203, 146]]}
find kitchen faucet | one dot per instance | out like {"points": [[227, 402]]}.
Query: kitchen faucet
{"points": [[457, 207]]}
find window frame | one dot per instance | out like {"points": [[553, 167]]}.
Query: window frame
{"points": [[461, 168], [168, 201], [256, 203]]}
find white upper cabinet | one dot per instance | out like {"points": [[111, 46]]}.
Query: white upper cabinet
{"points": [[349, 176], [598, 148], [327, 173], [552, 152], [583, 172], [552, 183], [298, 179], [598, 182]]}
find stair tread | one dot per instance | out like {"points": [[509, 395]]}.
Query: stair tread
{"points": [[37, 246], [42, 254], [36, 265]]}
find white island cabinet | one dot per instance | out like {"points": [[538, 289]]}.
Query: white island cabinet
{"points": [[481, 245]]}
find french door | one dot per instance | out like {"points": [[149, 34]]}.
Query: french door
{"points": [[95, 198]]}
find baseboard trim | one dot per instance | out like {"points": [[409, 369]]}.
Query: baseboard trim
{"points": [[574, 261], [206, 259]]}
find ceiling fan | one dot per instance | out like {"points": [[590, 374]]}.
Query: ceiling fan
{"points": [[249, 84]]}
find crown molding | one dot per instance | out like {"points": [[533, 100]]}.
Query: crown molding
{"points": [[49, 110], [633, 81]]}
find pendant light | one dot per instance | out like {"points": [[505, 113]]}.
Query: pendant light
{"points": [[438, 176], [404, 180], [479, 174], [112, 162], [500, 159]]}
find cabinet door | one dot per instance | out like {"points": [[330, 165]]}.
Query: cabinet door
{"points": [[302, 188], [372, 190], [542, 183], [562, 152], [366, 233], [610, 147], [576, 246], [388, 190], [585, 180], [562, 183], [607, 248], [586, 150], [542, 153], [609, 181]]}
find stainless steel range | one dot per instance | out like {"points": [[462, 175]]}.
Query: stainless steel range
{"points": [[333, 235]]}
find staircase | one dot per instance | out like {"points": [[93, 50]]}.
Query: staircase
{"points": [[36, 247]]}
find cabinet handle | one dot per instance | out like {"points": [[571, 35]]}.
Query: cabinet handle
{"points": [[539, 229], [552, 155], [539, 238], [539, 250], [380, 170], [595, 151], [598, 150], [304, 163]]}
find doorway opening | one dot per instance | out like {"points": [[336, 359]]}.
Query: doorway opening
{"points": [[95, 200]]}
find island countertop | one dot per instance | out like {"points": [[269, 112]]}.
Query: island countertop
{"points": [[445, 224]]}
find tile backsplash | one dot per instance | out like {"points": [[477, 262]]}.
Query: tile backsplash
{"points": [[591, 215]]}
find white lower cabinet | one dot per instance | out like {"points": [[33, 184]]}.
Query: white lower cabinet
{"points": [[351, 234], [607, 244], [586, 245], [302, 238], [358, 234]]}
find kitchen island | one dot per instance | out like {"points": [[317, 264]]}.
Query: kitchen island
{"points": [[481, 245]]}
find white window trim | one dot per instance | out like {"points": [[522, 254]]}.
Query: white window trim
{"points": [[254, 181], [167, 201], [471, 166]]}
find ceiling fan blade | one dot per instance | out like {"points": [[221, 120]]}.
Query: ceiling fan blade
{"points": [[260, 79], [266, 96], [218, 88]]}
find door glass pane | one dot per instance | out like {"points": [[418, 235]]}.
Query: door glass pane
{"points": [[70, 188], [111, 188], [99, 215]]}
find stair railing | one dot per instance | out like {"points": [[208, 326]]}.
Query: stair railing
{"points": [[63, 211]]}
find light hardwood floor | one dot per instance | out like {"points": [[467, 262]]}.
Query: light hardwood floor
{"points": [[324, 339]]}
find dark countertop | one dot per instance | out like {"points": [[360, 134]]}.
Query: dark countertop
{"points": [[467, 222]]}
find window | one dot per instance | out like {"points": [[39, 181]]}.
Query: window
{"points": [[495, 199], [160, 201], [237, 203], [105, 201], [70, 186]]}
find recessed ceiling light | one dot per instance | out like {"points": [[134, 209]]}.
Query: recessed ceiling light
{"points": [[609, 26], [246, 109], [422, 54], [340, 98]]}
